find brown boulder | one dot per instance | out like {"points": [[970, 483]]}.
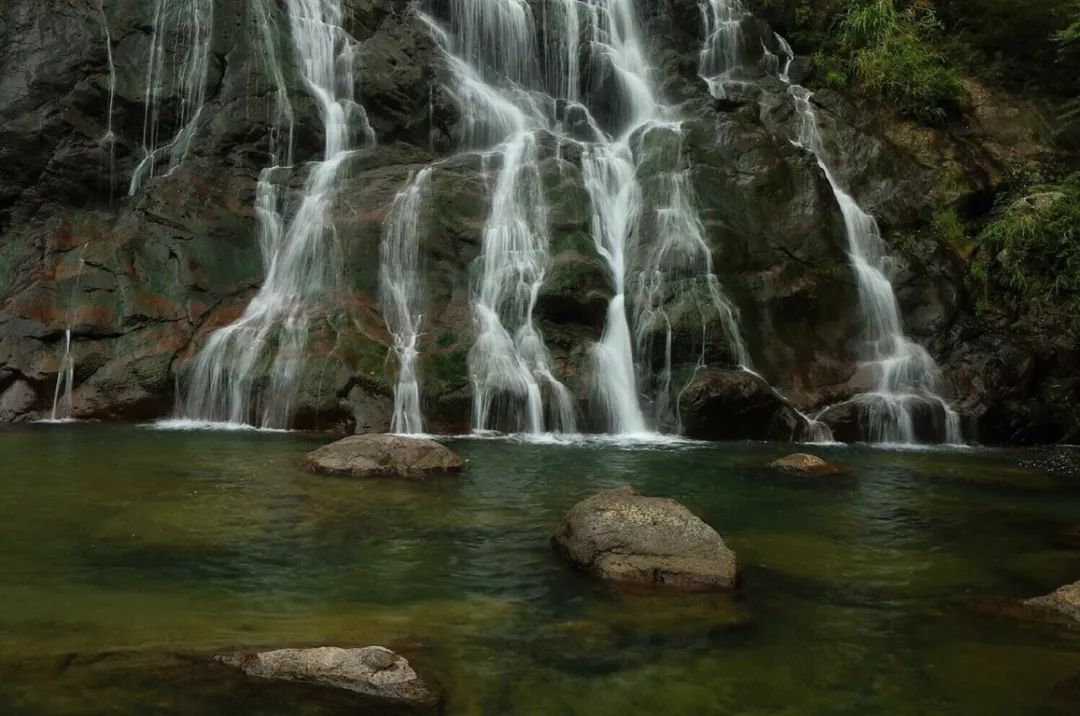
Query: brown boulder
{"points": [[383, 456], [622, 536], [804, 464]]}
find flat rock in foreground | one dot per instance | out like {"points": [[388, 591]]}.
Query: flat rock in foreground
{"points": [[804, 464], [1064, 601], [383, 456], [373, 671], [622, 536]]}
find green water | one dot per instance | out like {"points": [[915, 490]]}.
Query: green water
{"points": [[127, 555]]}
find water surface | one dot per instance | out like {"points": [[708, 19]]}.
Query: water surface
{"points": [[128, 554]]}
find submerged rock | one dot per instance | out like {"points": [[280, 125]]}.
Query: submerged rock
{"points": [[373, 671], [1064, 601], [623, 536], [738, 405], [804, 464], [383, 455], [1069, 537]]}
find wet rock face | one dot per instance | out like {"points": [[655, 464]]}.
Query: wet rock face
{"points": [[738, 405], [848, 424], [142, 281], [622, 536], [373, 671], [383, 456]]}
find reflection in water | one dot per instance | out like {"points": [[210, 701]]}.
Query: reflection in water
{"points": [[142, 544]]}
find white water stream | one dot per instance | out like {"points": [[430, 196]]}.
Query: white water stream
{"points": [[906, 376], [511, 94], [402, 293], [248, 372], [177, 66]]}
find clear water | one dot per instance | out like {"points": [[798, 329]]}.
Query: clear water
{"points": [[127, 553]]}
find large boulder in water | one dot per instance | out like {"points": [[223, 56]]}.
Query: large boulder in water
{"points": [[383, 456], [1064, 601], [738, 405], [373, 671], [623, 536], [804, 464]]}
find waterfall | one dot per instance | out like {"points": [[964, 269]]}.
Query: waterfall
{"points": [[511, 94], [490, 51], [677, 257], [719, 59], [403, 299], [63, 407], [231, 380], [179, 69], [678, 262], [906, 374], [109, 139]]}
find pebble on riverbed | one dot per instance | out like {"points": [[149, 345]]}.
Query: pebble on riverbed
{"points": [[623, 536], [383, 456]]}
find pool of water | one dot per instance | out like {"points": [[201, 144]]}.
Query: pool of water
{"points": [[127, 555]]}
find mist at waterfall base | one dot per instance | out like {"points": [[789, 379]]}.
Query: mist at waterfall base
{"points": [[134, 555]]}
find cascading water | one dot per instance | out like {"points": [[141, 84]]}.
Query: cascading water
{"points": [[676, 272], [676, 256], [230, 380], [510, 96], [402, 297], [514, 387], [177, 69], [63, 407], [109, 139], [719, 58], [906, 375]]}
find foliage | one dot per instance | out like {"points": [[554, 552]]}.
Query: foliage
{"points": [[950, 231], [1068, 41], [890, 51], [1029, 253]]}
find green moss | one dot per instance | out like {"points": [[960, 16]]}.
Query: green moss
{"points": [[1028, 257], [446, 339], [450, 367]]}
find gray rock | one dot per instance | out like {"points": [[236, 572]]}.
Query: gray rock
{"points": [[383, 456], [1064, 601], [16, 400], [374, 671], [623, 536]]}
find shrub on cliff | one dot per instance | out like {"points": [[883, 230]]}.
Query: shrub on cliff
{"points": [[1028, 258], [890, 51]]}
